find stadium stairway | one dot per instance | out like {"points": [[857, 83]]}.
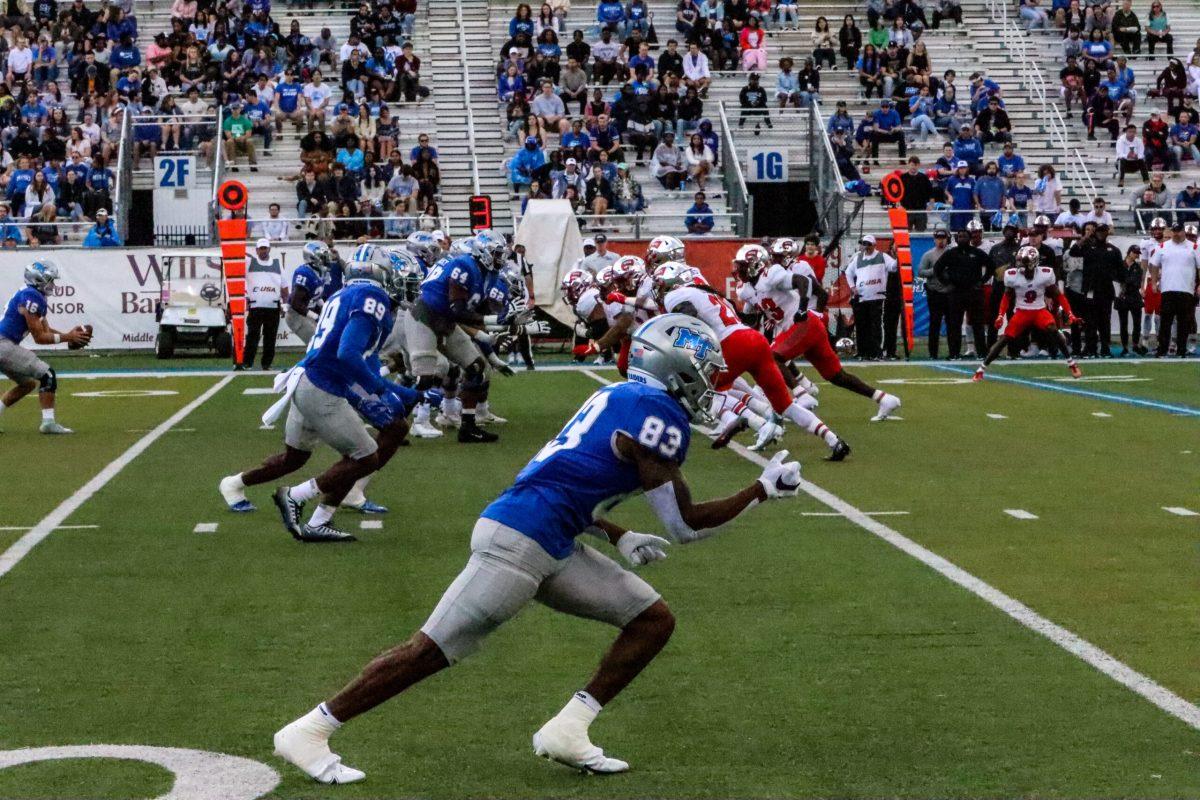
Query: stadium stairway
{"points": [[456, 148]]}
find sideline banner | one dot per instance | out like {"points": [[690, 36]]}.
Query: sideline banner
{"points": [[114, 290]]}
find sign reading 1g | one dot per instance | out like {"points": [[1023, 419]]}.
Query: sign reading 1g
{"points": [[174, 172], [767, 164]]}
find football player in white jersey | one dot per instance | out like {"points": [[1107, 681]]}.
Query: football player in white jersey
{"points": [[616, 284], [1151, 297], [745, 350], [1027, 286]]}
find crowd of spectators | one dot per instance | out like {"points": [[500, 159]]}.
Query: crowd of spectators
{"points": [[59, 147], [616, 97]]}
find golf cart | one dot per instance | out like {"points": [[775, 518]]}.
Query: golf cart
{"points": [[191, 310]]}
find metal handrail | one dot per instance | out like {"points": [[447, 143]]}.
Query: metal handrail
{"points": [[123, 183], [630, 226], [1014, 41], [735, 181], [218, 172], [466, 71]]}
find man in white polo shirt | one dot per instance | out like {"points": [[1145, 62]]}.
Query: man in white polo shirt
{"points": [[264, 296], [1173, 266], [867, 274]]}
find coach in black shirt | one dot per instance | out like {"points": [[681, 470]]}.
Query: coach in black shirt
{"points": [[964, 268], [918, 191], [1102, 264]]}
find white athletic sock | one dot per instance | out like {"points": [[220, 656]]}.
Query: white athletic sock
{"points": [[321, 514], [822, 430], [581, 710], [47, 415], [982, 367], [238, 483], [879, 395], [305, 491], [357, 494], [421, 415], [727, 419], [481, 408], [799, 415], [323, 720], [2, 407]]}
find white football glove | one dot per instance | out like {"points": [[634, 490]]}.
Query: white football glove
{"points": [[537, 328], [642, 548], [780, 478]]}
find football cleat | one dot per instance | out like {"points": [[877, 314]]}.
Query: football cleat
{"points": [[569, 745], [51, 427], [449, 420], [1076, 372], [423, 430], [978, 376], [324, 533], [366, 507], [768, 434], [723, 438], [887, 405], [308, 749], [489, 419], [839, 451], [289, 511], [476, 436], [234, 496]]}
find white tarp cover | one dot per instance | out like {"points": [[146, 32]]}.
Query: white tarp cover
{"points": [[550, 233]]}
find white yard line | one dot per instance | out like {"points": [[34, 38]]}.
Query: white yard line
{"points": [[1074, 644], [1020, 513], [839, 514], [1102, 414], [371, 524], [205, 527], [258, 390], [20, 548], [1180, 511], [60, 527], [996, 416]]}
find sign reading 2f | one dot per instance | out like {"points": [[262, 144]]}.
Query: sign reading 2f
{"points": [[174, 172], [767, 165]]}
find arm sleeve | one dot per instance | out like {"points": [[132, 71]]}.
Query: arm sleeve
{"points": [[355, 339]]}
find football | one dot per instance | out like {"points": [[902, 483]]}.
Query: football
{"points": [[80, 346]]}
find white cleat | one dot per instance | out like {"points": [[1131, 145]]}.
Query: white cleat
{"points": [[887, 405], [489, 419], [301, 745], [234, 495], [569, 745], [53, 428], [424, 430], [449, 420], [768, 434]]}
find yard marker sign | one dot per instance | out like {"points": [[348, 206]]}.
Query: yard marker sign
{"points": [[893, 192], [232, 197]]}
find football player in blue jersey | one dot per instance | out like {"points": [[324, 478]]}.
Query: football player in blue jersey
{"points": [[308, 290], [448, 318], [26, 314], [337, 381], [628, 436]]}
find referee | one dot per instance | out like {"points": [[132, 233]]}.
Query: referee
{"points": [[1174, 266], [264, 295]]}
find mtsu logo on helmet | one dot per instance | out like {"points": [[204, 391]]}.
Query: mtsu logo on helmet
{"points": [[695, 341]]}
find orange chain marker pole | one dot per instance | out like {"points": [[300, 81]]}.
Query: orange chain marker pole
{"points": [[232, 197]]}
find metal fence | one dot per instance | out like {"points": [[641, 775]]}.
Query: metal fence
{"points": [[740, 201], [642, 226], [836, 208], [342, 229]]}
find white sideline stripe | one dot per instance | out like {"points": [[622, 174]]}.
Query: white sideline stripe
{"points": [[371, 524], [839, 514], [1101, 414], [1019, 513], [20, 548], [1180, 511], [60, 527], [258, 390], [173, 430], [205, 527], [1074, 644], [996, 416]]}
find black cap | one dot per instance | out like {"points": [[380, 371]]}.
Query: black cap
{"points": [[1178, 226], [600, 237]]}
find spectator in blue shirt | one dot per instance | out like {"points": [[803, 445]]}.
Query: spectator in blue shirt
{"points": [[989, 193], [1097, 48], [1009, 162], [637, 15], [1018, 195], [969, 149], [18, 181], [1183, 140], [510, 85], [960, 188], [700, 216], [840, 120], [522, 22], [10, 234], [611, 15], [576, 137], [125, 55], [887, 128], [1188, 199], [103, 233], [525, 163]]}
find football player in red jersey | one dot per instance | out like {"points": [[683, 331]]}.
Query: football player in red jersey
{"points": [[1026, 288]]}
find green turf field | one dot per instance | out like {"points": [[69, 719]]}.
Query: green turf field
{"points": [[812, 658]]}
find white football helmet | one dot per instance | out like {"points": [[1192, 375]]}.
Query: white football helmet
{"points": [[575, 283], [629, 272], [1027, 258], [751, 259], [784, 251], [663, 249]]}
